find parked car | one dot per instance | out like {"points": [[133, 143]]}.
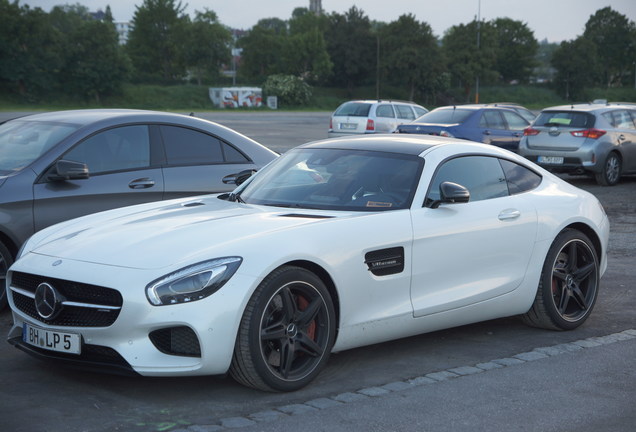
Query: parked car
{"points": [[489, 124], [61, 165], [335, 245], [597, 139], [372, 116]]}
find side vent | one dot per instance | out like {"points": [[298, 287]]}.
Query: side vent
{"points": [[385, 262]]}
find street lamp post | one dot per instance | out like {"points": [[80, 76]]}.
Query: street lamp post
{"points": [[478, 46]]}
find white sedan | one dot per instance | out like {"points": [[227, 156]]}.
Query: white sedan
{"points": [[335, 245]]}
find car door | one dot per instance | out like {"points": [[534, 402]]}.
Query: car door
{"points": [[515, 124], [196, 162], [405, 114], [624, 122], [468, 253], [121, 174], [385, 120], [494, 130]]}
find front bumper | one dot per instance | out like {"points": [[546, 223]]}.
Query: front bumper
{"points": [[127, 345]]}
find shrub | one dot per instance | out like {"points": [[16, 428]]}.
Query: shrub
{"points": [[290, 90]]}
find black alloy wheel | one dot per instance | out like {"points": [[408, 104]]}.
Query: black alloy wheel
{"points": [[569, 284], [286, 332]]}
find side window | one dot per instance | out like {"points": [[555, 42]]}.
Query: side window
{"points": [[117, 149], [405, 112], [483, 177], [385, 111], [189, 147], [232, 155], [419, 112], [492, 119], [624, 120], [519, 178], [515, 121]]}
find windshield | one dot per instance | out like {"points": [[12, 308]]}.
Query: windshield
{"points": [[353, 109], [336, 179], [445, 116], [565, 118], [22, 142]]}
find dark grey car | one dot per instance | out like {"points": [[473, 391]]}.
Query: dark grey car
{"points": [[61, 165], [597, 139]]}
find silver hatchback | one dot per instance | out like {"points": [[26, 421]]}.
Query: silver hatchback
{"points": [[372, 116], [597, 139]]}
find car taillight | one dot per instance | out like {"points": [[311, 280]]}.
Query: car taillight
{"points": [[530, 131], [330, 123], [446, 134], [589, 133], [370, 125]]}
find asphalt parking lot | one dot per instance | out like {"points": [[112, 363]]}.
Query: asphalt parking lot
{"points": [[497, 375]]}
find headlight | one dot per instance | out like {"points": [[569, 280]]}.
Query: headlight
{"points": [[193, 282]]}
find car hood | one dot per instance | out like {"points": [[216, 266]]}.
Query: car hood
{"points": [[157, 236]]}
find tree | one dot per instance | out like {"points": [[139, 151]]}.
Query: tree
{"points": [[263, 52], [465, 59], [615, 39], [411, 56], [156, 41], [30, 49], [516, 50], [306, 53], [208, 46], [352, 48], [577, 67]]}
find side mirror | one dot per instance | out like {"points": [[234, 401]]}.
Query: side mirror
{"points": [[451, 193], [238, 178], [68, 170]]}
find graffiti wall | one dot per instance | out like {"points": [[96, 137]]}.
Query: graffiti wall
{"points": [[235, 97]]}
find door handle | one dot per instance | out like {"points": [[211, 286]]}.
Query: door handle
{"points": [[486, 132], [142, 183], [509, 214]]}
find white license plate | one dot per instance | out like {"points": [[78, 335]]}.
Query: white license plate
{"points": [[51, 340], [347, 126], [556, 160]]}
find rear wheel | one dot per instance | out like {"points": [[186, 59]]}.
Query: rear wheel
{"points": [[569, 284], [611, 173], [5, 262], [286, 333]]}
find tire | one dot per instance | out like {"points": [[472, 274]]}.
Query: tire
{"points": [[611, 173], [286, 333], [569, 284], [6, 259]]}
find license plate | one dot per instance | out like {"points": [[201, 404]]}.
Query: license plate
{"points": [[556, 160], [51, 340], [347, 126]]}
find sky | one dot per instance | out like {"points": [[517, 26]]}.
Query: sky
{"points": [[554, 20]]}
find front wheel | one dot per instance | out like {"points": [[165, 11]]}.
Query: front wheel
{"points": [[569, 284], [286, 333], [611, 173], [6, 259]]}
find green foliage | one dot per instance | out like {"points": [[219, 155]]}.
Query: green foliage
{"points": [[516, 50], [156, 40], [576, 66], [615, 39], [290, 90], [207, 46], [411, 56], [352, 47]]}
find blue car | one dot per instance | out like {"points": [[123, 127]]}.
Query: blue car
{"points": [[501, 126]]}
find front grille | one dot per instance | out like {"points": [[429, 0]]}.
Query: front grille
{"points": [[180, 341], [93, 298]]}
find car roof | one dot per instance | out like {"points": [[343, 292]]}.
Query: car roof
{"points": [[588, 107], [389, 143], [372, 101], [88, 116]]}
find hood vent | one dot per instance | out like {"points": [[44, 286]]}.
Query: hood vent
{"points": [[306, 216]]}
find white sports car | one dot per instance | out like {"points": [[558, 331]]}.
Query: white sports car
{"points": [[335, 245]]}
